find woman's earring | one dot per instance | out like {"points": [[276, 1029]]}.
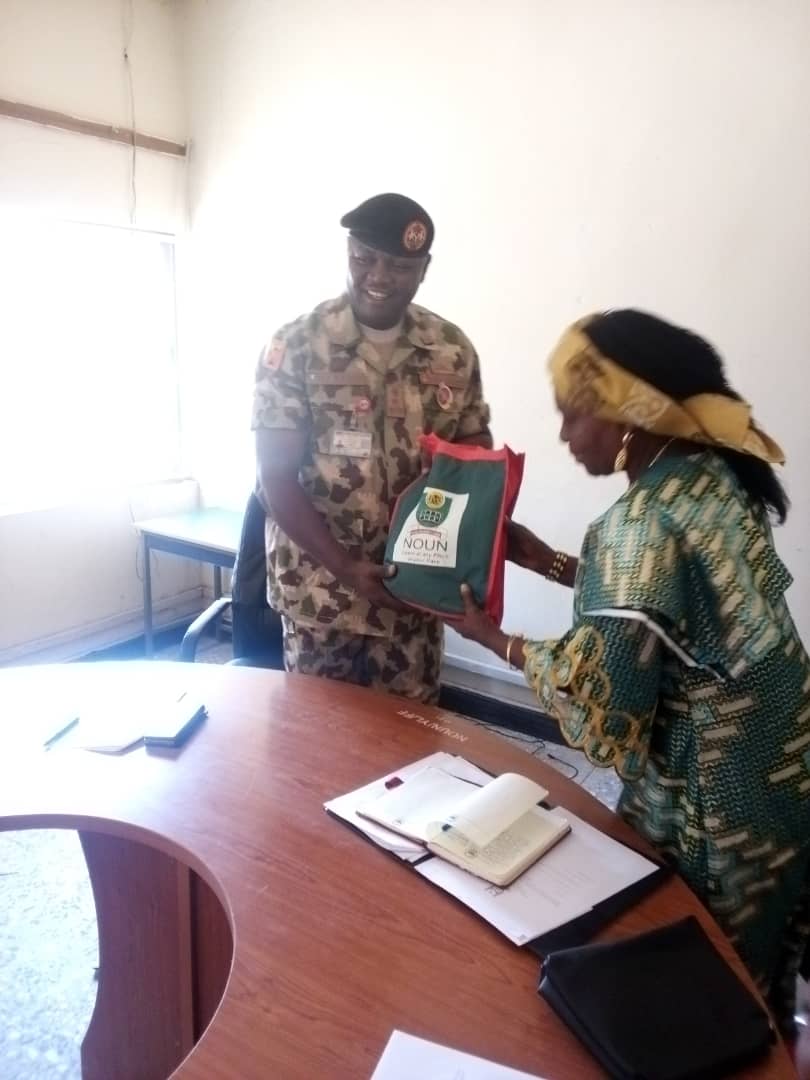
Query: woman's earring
{"points": [[620, 464]]}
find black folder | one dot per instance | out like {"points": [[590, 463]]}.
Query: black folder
{"points": [[580, 930], [663, 1005]]}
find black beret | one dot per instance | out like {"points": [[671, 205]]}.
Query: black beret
{"points": [[391, 223]]}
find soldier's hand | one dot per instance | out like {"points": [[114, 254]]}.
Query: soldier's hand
{"points": [[425, 459], [366, 578]]}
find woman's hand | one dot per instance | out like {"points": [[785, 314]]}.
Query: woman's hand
{"points": [[476, 625], [526, 549]]}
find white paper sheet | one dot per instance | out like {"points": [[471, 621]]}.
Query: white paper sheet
{"points": [[345, 806], [418, 808], [406, 1057], [108, 720], [110, 724]]}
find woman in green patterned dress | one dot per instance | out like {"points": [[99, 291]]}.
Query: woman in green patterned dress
{"points": [[683, 670]]}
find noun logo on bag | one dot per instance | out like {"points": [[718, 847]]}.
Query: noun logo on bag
{"points": [[433, 508], [429, 536]]}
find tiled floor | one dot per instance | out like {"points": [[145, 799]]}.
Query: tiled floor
{"points": [[48, 945], [48, 953]]}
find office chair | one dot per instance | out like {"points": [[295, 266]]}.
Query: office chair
{"points": [[256, 628]]}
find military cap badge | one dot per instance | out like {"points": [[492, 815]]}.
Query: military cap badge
{"points": [[415, 236]]}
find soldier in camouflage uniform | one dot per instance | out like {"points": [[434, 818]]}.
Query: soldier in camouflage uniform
{"points": [[341, 397]]}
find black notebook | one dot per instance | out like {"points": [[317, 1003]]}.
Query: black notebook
{"points": [[659, 1006]]}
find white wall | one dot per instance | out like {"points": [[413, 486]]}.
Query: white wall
{"points": [[70, 570], [574, 155], [67, 55], [71, 577]]}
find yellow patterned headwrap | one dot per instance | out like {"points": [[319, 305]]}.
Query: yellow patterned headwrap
{"points": [[588, 381]]}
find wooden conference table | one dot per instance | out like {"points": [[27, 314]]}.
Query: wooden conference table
{"points": [[224, 890]]}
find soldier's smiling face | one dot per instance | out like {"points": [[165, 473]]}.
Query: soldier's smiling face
{"points": [[380, 285]]}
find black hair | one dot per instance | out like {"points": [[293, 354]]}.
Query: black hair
{"points": [[681, 364]]}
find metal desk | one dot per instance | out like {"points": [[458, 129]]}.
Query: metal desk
{"points": [[209, 536]]}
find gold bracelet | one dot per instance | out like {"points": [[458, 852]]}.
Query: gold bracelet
{"points": [[558, 565], [512, 639]]}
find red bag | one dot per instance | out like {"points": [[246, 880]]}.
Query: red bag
{"points": [[449, 527]]}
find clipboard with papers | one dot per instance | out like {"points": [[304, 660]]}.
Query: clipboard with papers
{"points": [[562, 899]]}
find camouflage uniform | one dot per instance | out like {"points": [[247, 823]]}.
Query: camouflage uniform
{"points": [[319, 374]]}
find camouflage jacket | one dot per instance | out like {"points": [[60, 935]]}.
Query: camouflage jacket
{"points": [[364, 419]]}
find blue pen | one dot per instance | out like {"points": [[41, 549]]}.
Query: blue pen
{"points": [[62, 731]]}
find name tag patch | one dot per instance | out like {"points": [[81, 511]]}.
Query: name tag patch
{"points": [[351, 443]]}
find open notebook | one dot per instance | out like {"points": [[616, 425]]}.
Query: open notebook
{"points": [[576, 880], [495, 831]]}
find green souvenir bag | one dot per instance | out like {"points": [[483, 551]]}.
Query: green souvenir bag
{"points": [[449, 527]]}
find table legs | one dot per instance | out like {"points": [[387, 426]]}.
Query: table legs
{"points": [[164, 953], [148, 628], [148, 643], [217, 593]]}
